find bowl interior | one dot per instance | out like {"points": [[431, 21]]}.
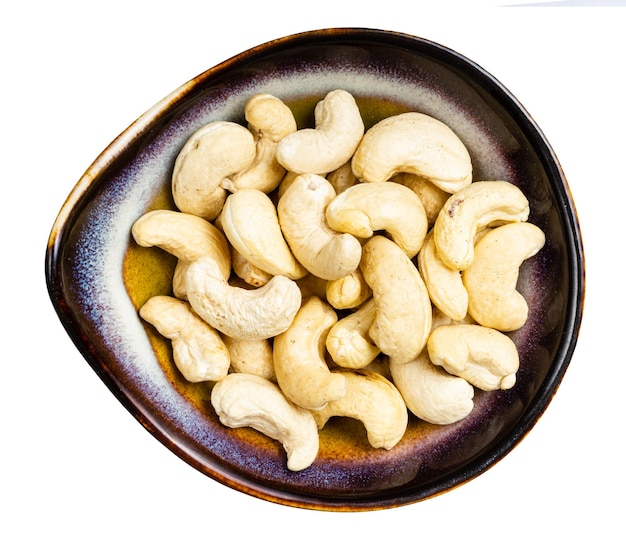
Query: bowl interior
{"points": [[98, 278]]}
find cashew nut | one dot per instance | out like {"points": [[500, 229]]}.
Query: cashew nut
{"points": [[348, 342], [243, 400], [237, 312], [445, 285], [337, 133], [486, 358], [431, 393], [403, 309], [374, 401], [252, 356], [491, 279], [431, 196], [250, 222], [301, 213], [342, 178], [368, 207], [269, 120], [198, 350], [349, 291], [247, 271], [472, 208], [414, 143], [301, 370], [213, 153]]}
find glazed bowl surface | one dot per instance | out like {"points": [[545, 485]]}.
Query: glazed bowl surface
{"points": [[98, 277]]}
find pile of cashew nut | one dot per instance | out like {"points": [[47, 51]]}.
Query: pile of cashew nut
{"points": [[335, 271]]}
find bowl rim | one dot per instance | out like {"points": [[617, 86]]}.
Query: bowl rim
{"points": [[78, 198]]}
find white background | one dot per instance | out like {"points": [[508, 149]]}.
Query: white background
{"points": [[76, 466]]}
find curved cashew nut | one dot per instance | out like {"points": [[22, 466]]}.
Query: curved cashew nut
{"points": [[431, 393], [348, 342], [349, 291], [337, 133], [491, 279], [301, 370], [250, 222], [374, 401], [367, 207], [320, 249], [403, 309], [199, 352], [269, 120], [342, 178], [243, 400], [251, 274], [213, 153], [486, 358], [475, 207], [252, 356], [237, 312], [445, 285], [431, 196], [414, 143]]}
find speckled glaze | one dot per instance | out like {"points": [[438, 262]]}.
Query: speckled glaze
{"points": [[97, 277]]}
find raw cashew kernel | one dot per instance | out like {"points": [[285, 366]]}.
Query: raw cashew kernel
{"points": [[252, 356], [349, 291], [213, 153], [486, 358], [471, 209], [491, 279], [431, 196], [199, 352], [302, 216], [244, 400], [250, 222], [366, 208], [237, 312], [431, 393], [348, 342], [403, 309], [301, 370], [342, 178], [374, 401], [337, 133], [445, 285], [413, 143], [247, 271], [269, 120]]}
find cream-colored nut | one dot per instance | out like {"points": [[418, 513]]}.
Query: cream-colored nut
{"points": [[432, 197], [349, 291], [244, 400], [342, 178], [374, 401], [237, 312], [269, 120], [475, 207], [486, 358], [348, 341], [431, 393], [179, 280], [252, 356], [302, 216], [491, 279], [403, 308], [445, 285], [198, 350], [213, 153], [414, 143], [310, 285], [250, 223], [366, 208], [301, 370], [247, 271], [337, 133], [183, 235]]}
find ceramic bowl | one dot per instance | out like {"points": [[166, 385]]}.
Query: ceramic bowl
{"points": [[97, 277]]}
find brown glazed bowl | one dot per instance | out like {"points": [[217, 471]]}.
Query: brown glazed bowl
{"points": [[97, 277]]}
